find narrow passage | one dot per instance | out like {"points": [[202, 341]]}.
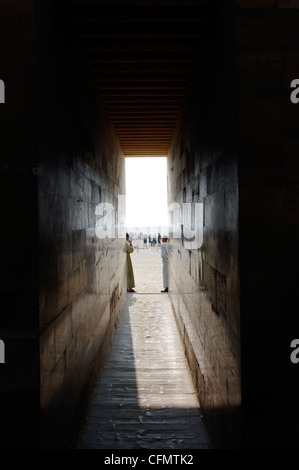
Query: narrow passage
{"points": [[144, 398]]}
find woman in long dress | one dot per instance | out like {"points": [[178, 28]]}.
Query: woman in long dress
{"points": [[130, 273]]}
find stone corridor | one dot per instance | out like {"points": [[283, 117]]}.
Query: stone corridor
{"points": [[144, 398], [207, 85]]}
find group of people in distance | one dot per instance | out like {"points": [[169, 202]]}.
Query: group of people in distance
{"points": [[151, 240], [164, 256]]}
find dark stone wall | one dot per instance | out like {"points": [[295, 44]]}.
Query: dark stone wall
{"points": [[62, 286], [19, 375], [267, 62], [236, 151], [204, 283], [82, 277]]}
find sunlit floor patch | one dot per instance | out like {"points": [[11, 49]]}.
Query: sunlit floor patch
{"points": [[145, 398]]}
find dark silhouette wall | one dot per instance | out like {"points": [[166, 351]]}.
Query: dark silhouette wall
{"points": [[268, 123], [62, 285], [204, 282], [82, 275], [19, 375], [235, 151]]}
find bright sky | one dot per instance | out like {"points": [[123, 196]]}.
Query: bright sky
{"points": [[146, 191]]}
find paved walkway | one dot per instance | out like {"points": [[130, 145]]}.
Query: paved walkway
{"points": [[144, 398]]}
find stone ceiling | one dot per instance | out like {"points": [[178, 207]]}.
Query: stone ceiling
{"points": [[142, 53]]}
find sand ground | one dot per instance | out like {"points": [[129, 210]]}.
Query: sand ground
{"points": [[147, 266]]}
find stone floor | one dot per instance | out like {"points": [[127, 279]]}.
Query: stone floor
{"points": [[144, 398]]}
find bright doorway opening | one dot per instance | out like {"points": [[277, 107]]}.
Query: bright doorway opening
{"points": [[147, 218], [146, 193]]}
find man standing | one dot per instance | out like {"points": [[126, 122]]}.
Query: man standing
{"points": [[164, 256], [130, 273]]}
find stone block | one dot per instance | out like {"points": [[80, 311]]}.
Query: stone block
{"points": [[290, 70], [260, 70], [63, 181], [214, 211], [291, 162], [290, 201], [17, 31], [220, 293], [231, 209], [264, 117], [267, 29], [47, 353], [64, 252], [256, 3], [261, 162], [78, 246], [263, 205], [63, 332], [288, 4]]}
